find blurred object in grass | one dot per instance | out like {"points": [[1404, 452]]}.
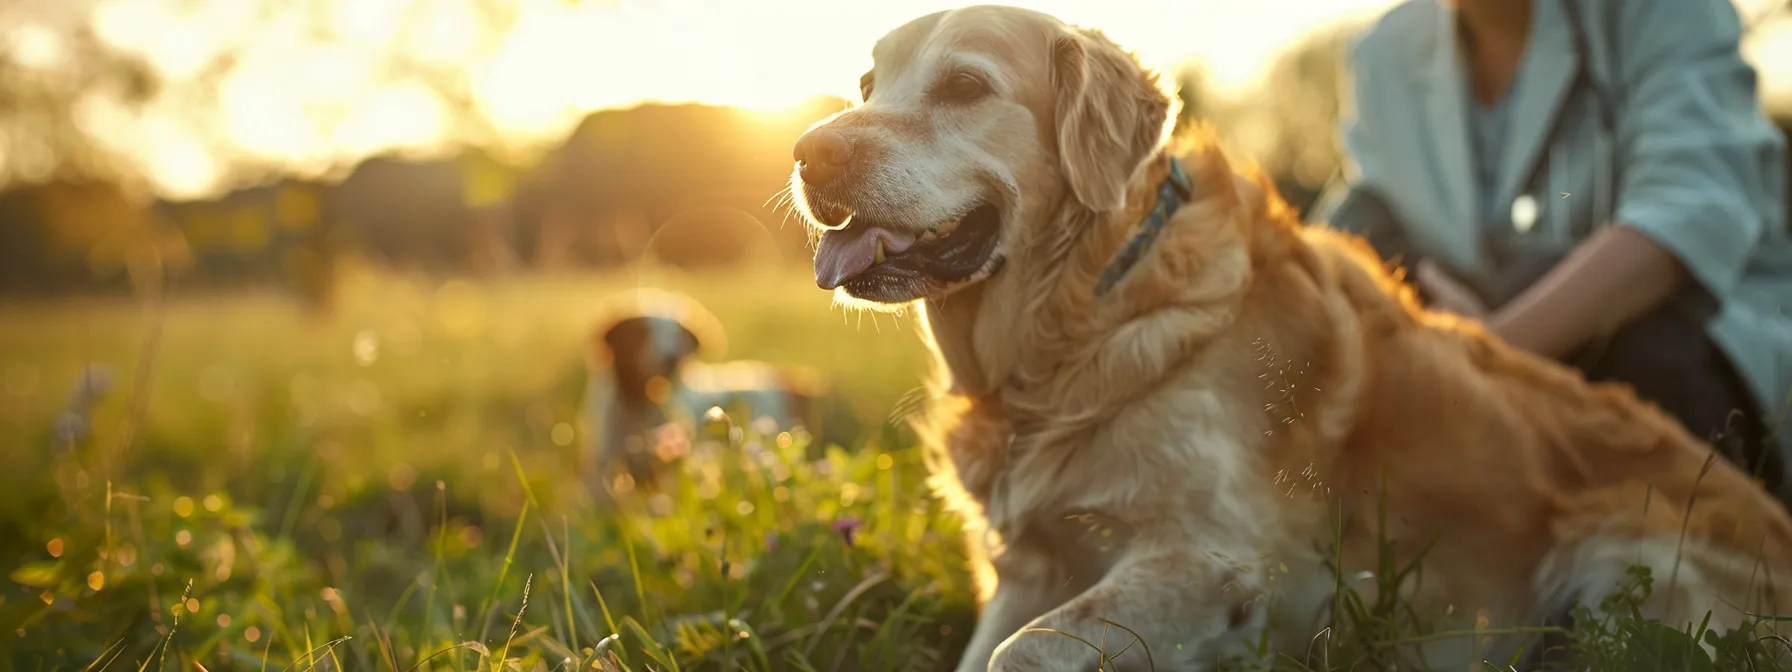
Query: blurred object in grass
{"points": [[646, 379]]}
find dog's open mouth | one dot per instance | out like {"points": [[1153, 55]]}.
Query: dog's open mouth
{"points": [[889, 264]]}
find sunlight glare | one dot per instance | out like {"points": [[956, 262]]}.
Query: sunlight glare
{"points": [[35, 46], [179, 161], [331, 72], [445, 34], [775, 54], [176, 39], [102, 118], [366, 22], [407, 115], [264, 118], [287, 99], [1773, 45], [520, 89], [320, 81]]}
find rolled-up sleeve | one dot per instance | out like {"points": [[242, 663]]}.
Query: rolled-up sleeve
{"points": [[1692, 140]]}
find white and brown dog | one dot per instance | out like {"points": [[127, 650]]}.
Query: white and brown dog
{"points": [[1107, 309], [646, 387]]}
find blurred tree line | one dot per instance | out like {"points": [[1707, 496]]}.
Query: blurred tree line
{"points": [[703, 176], [689, 185], [81, 108]]}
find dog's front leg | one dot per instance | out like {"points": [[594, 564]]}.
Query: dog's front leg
{"points": [[1012, 607], [1187, 610], [1027, 586]]}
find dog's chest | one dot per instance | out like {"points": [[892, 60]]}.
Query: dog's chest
{"points": [[1175, 460]]}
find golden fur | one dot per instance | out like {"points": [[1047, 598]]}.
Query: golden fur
{"points": [[1176, 456]]}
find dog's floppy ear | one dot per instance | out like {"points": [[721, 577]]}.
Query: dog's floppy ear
{"points": [[688, 342], [1111, 114]]}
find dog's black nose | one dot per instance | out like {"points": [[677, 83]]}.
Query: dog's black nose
{"points": [[821, 155]]}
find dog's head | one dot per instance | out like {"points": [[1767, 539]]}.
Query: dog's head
{"points": [[646, 348], [645, 336], [977, 125]]}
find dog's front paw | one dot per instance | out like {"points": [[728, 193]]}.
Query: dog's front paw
{"points": [[1024, 659], [1043, 652]]}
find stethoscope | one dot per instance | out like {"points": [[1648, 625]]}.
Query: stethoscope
{"points": [[1527, 207]]}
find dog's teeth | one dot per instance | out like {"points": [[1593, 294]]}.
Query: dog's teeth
{"points": [[878, 258], [947, 228]]}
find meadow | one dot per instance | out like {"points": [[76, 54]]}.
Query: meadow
{"points": [[227, 482]]}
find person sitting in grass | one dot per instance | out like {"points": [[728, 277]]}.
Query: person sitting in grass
{"points": [[1595, 181]]}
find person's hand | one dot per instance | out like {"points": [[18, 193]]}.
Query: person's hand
{"points": [[1446, 293]]}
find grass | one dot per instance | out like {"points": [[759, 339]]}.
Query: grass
{"points": [[398, 475], [394, 488]]}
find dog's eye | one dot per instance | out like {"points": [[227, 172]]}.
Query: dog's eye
{"points": [[963, 87]]}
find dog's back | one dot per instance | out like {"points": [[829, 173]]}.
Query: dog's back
{"points": [[1551, 485], [752, 393], [767, 398]]}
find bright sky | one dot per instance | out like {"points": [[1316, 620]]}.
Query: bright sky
{"points": [[313, 86]]}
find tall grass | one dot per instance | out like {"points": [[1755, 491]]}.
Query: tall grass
{"points": [[397, 474], [396, 487]]}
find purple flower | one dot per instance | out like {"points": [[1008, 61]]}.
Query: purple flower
{"points": [[845, 527], [71, 428], [96, 381], [73, 424]]}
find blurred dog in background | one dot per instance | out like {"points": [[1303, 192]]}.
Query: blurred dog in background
{"points": [[646, 388]]}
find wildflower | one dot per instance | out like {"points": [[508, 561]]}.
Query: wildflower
{"points": [[74, 424], [845, 527]]}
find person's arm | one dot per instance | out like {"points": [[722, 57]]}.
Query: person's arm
{"points": [[1616, 276], [1692, 141]]}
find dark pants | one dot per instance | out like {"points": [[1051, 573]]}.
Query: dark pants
{"points": [[1670, 361]]}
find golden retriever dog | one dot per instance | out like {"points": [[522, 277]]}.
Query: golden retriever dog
{"points": [[1167, 409]]}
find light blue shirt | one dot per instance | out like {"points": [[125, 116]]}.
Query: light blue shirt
{"points": [[1692, 160], [1489, 122]]}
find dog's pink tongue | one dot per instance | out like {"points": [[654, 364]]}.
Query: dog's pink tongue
{"points": [[847, 252]]}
